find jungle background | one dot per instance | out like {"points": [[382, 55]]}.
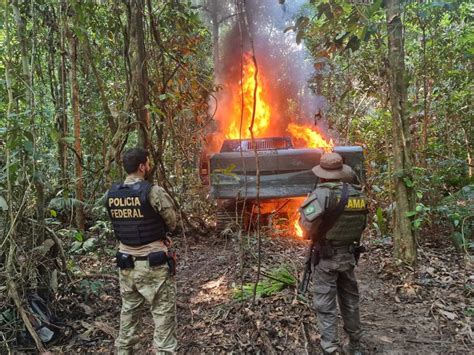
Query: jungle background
{"points": [[84, 80]]}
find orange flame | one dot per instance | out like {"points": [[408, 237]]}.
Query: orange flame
{"points": [[291, 225], [310, 137], [262, 108], [235, 116], [297, 227]]}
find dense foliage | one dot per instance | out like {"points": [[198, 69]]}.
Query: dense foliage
{"points": [[350, 41], [50, 47]]}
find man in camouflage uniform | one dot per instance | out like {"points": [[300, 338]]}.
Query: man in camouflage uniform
{"points": [[142, 214], [337, 251]]}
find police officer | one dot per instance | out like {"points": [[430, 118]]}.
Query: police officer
{"points": [[334, 216], [142, 213]]}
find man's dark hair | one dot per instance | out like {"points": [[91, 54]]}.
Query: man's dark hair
{"points": [[132, 158]]}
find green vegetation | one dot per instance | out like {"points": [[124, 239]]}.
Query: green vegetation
{"points": [[274, 281]]}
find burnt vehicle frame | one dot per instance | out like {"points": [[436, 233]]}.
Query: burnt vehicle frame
{"points": [[285, 178]]}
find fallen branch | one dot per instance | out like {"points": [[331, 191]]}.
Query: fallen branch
{"points": [[13, 293], [303, 330], [58, 243]]}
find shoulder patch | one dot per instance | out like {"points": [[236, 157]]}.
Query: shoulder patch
{"points": [[308, 210], [311, 209]]}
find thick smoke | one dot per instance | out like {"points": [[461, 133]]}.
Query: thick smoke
{"points": [[286, 65]]}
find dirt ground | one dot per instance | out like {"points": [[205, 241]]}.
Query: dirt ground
{"points": [[425, 310]]}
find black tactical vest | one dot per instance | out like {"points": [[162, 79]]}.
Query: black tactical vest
{"points": [[134, 220], [349, 226]]}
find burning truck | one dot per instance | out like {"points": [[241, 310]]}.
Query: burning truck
{"points": [[286, 150]]}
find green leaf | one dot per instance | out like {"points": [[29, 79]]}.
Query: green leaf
{"points": [[54, 134], [76, 246], [417, 223], [408, 182], [28, 145], [53, 213], [380, 220], [79, 237], [410, 214], [89, 244]]}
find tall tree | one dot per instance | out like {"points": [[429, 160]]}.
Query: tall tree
{"points": [[218, 12], [61, 120], [213, 10], [80, 218], [404, 238], [27, 50], [139, 84]]}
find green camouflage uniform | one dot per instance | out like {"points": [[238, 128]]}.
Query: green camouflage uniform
{"points": [[152, 285], [334, 277]]}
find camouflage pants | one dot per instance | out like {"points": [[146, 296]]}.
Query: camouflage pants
{"points": [[155, 286], [334, 278]]}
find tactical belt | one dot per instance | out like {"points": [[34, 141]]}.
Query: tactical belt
{"points": [[127, 261]]}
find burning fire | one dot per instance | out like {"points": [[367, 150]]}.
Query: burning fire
{"points": [[297, 227], [311, 137], [304, 135], [289, 225], [262, 108], [236, 117]]}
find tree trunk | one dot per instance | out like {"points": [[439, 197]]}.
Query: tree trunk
{"points": [[80, 218], [470, 162], [20, 24], [61, 121], [404, 239], [100, 86], [139, 85], [27, 50]]}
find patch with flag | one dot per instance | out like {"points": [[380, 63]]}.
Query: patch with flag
{"points": [[309, 210]]}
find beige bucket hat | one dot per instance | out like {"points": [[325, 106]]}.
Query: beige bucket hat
{"points": [[331, 167]]}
